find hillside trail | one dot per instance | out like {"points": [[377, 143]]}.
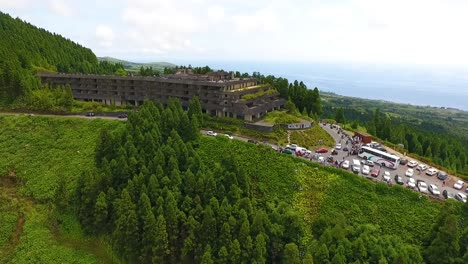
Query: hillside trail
{"points": [[289, 137], [25, 206], [9, 187]]}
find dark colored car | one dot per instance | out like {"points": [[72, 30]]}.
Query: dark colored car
{"points": [[123, 115], [287, 151], [448, 195], [442, 176], [404, 161], [90, 114], [330, 159], [254, 141], [334, 152], [345, 149], [382, 149], [399, 180]]}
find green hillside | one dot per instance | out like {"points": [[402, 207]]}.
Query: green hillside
{"points": [[277, 205], [135, 66], [26, 49]]}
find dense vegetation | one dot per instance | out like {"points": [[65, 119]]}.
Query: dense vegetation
{"points": [[439, 137], [337, 216], [26, 49], [40, 156], [162, 203]]}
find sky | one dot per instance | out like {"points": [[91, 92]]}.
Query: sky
{"points": [[374, 31]]}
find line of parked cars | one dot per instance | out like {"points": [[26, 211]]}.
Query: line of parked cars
{"points": [[432, 188], [214, 134]]}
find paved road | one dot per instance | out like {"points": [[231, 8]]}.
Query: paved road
{"points": [[399, 171]]}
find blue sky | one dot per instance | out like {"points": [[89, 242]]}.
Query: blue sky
{"points": [[375, 31]]}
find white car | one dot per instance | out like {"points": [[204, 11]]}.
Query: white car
{"points": [[345, 164], [365, 169], [411, 183], [422, 186], [370, 163], [321, 159], [229, 136], [433, 189], [461, 197], [211, 133], [409, 172], [421, 167], [292, 146], [412, 163], [431, 172], [459, 184], [386, 177], [338, 146]]}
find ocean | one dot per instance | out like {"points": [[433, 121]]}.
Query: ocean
{"points": [[418, 85]]}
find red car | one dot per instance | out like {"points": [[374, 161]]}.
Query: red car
{"points": [[321, 150], [375, 172]]}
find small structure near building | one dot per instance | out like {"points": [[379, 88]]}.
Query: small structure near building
{"points": [[364, 137]]}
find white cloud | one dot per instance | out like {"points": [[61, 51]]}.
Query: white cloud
{"points": [[61, 8], [104, 35], [215, 13], [14, 4], [265, 20]]}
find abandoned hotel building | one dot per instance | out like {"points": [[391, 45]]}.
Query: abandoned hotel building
{"points": [[220, 94]]}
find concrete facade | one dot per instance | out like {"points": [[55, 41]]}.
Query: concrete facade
{"points": [[220, 94]]}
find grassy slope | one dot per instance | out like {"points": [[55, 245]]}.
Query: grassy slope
{"points": [[41, 150], [316, 191]]}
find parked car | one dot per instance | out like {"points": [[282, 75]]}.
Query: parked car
{"points": [[334, 152], [433, 189], [370, 163], [375, 172], [365, 170], [287, 151], [292, 146], [409, 173], [211, 133], [381, 149], [345, 148], [403, 161], [123, 115], [345, 164], [255, 142], [90, 114], [412, 164], [431, 172], [338, 146], [229, 136], [321, 159], [321, 150], [399, 179], [411, 183], [461, 197], [386, 176], [421, 167], [442, 176], [422, 186], [459, 185], [448, 195]]}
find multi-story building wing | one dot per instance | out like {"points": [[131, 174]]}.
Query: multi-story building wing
{"points": [[220, 94]]}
